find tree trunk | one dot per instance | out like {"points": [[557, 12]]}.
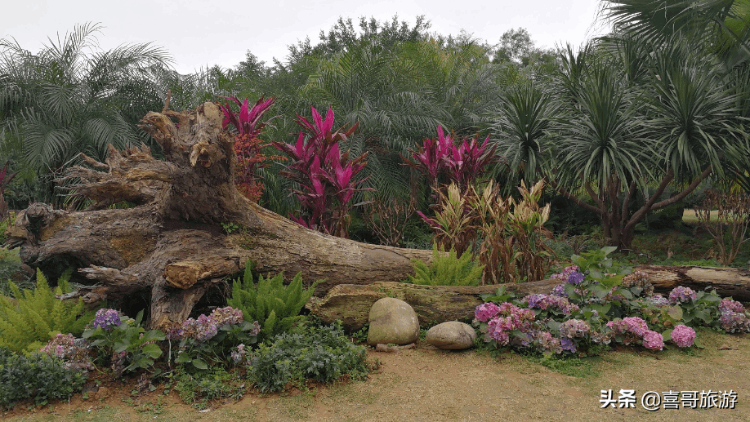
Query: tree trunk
{"points": [[435, 304], [172, 242]]}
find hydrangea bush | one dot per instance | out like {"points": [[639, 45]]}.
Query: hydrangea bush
{"points": [[214, 338], [592, 308]]}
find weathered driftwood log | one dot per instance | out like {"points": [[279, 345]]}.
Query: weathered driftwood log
{"points": [[171, 242], [435, 304]]}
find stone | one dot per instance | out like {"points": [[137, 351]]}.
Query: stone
{"points": [[451, 335], [392, 321]]}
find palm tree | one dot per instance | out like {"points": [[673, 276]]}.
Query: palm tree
{"points": [[721, 26], [630, 128], [72, 97]]}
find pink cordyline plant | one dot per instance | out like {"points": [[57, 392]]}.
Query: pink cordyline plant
{"points": [[462, 162], [247, 122], [246, 127], [326, 176]]}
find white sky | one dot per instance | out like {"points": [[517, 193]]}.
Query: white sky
{"points": [[205, 33]]}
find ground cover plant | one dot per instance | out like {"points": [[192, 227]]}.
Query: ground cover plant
{"points": [[38, 376], [321, 353]]}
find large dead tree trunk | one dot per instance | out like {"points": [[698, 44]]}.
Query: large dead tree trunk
{"points": [[435, 304], [172, 242]]}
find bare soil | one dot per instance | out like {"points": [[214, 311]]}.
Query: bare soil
{"points": [[425, 384]]}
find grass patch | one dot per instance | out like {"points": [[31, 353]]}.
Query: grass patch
{"points": [[573, 366]]}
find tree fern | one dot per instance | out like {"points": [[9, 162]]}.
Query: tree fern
{"points": [[36, 316], [447, 270], [271, 303]]}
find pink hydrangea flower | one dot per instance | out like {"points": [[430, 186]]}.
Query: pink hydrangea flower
{"points": [[683, 336], [634, 325], [682, 294], [486, 311], [730, 304], [653, 340]]}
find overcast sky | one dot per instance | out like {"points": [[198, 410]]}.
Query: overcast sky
{"points": [[205, 33]]}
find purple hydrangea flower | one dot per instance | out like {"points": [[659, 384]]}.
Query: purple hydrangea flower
{"points": [[568, 345], [575, 278], [729, 304], [681, 294], [563, 276], [544, 302], [534, 300], [106, 319], [734, 322], [559, 290], [202, 329]]}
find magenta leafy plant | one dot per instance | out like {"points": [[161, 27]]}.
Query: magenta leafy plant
{"points": [[248, 120], [327, 177], [460, 161], [247, 126]]}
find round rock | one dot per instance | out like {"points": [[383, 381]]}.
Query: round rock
{"points": [[451, 335], [392, 321]]}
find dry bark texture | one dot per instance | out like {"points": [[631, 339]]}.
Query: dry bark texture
{"points": [[435, 304], [171, 242]]}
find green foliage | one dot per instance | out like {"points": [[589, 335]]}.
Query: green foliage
{"points": [[324, 354], [360, 336], [230, 228], [38, 376], [10, 264], [447, 270], [36, 316], [573, 367], [597, 265], [208, 385], [275, 306], [72, 97], [139, 344], [4, 224]]}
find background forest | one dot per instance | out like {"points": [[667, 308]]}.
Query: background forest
{"points": [[622, 129]]}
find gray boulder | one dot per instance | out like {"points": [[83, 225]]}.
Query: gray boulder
{"points": [[392, 321], [451, 335]]}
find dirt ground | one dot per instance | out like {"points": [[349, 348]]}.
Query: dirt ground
{"points": [[425, 384]]}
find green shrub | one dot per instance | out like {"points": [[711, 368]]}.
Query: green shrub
{"points": [[447, 270], [36, 316], [10, 264], [321, 353], [38, 376], [4, 224], [208, 385], [275, 306]]}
